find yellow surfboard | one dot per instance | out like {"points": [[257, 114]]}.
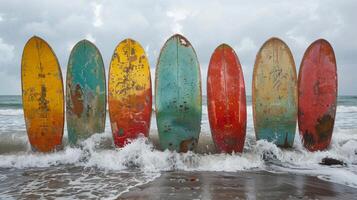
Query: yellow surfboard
{"points": [[42, 95], [129, 92], [274, 94]]}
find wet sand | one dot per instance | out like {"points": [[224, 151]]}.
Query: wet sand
{"points": [[247, 185]]}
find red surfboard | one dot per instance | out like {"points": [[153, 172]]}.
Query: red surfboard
{"points": [[226, 100], [317, 95]]}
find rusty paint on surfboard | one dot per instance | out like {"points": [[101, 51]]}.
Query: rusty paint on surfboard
{"points": [[85, 92], [317, 95], [42, 95], [129, 92], [178, 97], [226, 100], [274, 94]]}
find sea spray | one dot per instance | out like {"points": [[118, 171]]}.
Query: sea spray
{"points": [[143, 159]]}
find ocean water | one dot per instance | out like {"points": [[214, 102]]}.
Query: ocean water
{"points": [[97, 169]]}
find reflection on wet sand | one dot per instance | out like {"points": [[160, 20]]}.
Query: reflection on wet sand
{"points": [[248, 185]]}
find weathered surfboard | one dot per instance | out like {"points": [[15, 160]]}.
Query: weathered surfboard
{"points": [[130, 98], [42, 95], [85, 92], [317, 95], [226, 100], [274, 93], [178, 95]]}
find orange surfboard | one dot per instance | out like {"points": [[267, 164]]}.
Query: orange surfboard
{"points": [[42, 95]]}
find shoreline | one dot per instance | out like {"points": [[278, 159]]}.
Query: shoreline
{"points": [[242, 185]]}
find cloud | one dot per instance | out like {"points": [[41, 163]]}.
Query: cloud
{"points": [[244, 25], [97, 9], [299, 41], [90, 38], [177, 16], [6, 52], [247, 45]]}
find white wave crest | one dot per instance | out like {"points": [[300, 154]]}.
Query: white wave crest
{"points": [[11, 112], [346, 109]]}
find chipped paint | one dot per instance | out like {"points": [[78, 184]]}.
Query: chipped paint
{"points": [[178, 97], [42, 95], [129, 92], [274, 93], [85, 92], [76, 101], [188, 145], [317, 95], [226, 100]]}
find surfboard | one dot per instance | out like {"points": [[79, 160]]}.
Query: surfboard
{"points": [[226, 100], [317, 87], [42, 95], [178, 98], [129, 94], [274, 94], [85, 92]]}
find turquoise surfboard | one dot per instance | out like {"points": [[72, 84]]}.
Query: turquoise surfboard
{"points": [[178, 98], [85, 92]]}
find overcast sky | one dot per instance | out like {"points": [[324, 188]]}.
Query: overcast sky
{"points": [[244, 25]]}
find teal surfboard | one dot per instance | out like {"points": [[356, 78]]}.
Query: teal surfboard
{"points": [[85, 92], [178, 98]]}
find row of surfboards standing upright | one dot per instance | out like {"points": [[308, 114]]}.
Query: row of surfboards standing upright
{"points": [[279, 98]]}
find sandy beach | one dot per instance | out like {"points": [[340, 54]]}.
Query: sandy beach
{"points": [[242, 185]]}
